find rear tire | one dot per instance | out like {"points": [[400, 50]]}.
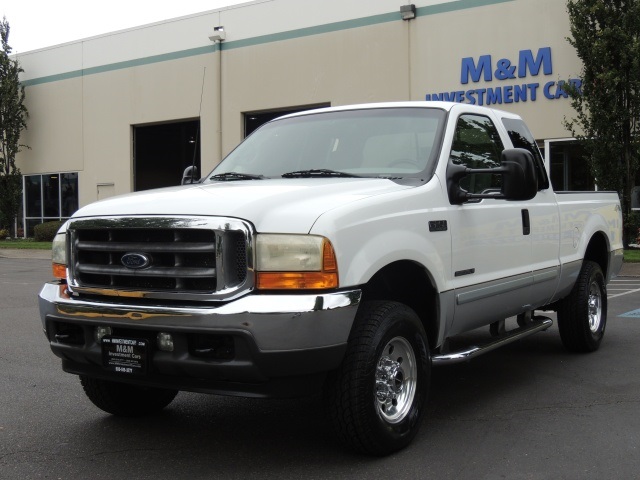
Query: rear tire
{"points": [[582, 316], [126, 400], [376, 399]]}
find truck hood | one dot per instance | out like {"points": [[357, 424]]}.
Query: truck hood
{"points": [[279, 205]]}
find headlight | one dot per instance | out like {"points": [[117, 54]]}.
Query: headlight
{"points": [[295, 262], [59, 253]]}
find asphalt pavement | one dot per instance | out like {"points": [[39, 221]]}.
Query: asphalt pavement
{"points": [[529, 410]]}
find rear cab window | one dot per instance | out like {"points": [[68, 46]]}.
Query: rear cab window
{"points": [[521, 137]]}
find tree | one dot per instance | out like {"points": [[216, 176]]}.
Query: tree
{"points": [[13, 119], [606, 36]]}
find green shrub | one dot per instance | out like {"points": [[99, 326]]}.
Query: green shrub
{"points": [[46, 231], [4, 233]]}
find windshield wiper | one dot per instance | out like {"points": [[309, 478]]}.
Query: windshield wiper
{"points": [[229, 176], [321, 172]]}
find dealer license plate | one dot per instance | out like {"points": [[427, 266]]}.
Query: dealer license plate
{"points": [[124, 355]]}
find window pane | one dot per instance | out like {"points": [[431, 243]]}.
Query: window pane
{"points": [[407, 152], [30, 225], [569, 169], [51, 195], [558, 168], [580, 179], [395, 142], [477, 144], [69, 191], [33, 198]]}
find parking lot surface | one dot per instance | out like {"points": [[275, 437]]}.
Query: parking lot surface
{"points": [[530, 410]]}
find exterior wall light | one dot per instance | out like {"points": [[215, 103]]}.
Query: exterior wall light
{"points": [[219, 34], [408, 11]]}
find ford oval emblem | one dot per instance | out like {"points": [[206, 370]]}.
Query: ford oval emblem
{"points": [[135, 261]]}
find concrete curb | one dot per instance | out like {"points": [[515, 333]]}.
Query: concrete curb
{"points": [[630, 270]]}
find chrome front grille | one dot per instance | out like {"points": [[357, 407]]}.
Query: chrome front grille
{"points": [[159, 257]]}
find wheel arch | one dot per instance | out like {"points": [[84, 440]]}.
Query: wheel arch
{"points": [[408, 282], [598, 251]]}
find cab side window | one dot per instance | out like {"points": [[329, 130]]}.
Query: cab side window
{"points": [[477, 144]]}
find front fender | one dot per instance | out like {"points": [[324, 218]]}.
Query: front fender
{"points": [[377, 231]]}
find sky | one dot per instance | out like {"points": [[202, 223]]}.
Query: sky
{"points": [[37, 24]]}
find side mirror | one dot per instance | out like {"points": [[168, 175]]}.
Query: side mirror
{"points": [[520, 182], [190, 175], [519, 178]]}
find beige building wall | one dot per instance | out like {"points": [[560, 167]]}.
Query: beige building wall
{"points": [[54, 128], [358, 65], [502, 30], [85, 97], [116, 101], [85, 124]]}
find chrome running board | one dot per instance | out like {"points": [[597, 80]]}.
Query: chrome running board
{"points": [[537, 324]]}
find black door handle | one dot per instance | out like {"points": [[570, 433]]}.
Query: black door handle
{"points": [[526, 223]]}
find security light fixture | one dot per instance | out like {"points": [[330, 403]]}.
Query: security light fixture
{"points": [[219, 34], [408, 11]]}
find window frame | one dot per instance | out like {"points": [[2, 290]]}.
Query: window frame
{"points": [[28, 219]]}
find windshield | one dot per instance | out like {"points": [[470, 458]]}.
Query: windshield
{"points": [[382, 142]]}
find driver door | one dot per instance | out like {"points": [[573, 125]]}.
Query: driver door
{"points": [[491, 248]]}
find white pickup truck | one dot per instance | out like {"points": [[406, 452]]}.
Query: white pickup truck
{"points": [[342, 250]]}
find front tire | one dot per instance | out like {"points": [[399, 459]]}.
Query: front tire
{"points": [[376, 399], [582, 316], [126, 400]]}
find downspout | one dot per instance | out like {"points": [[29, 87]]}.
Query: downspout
{"points": [[217, 38], [219, 115], [407, 13]]}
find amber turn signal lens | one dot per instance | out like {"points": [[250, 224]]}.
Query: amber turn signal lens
{"points": [[329, 262], [59, 271], [296, 280]]}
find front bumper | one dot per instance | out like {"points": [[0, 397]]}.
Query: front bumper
{"points": [[258, 345]]}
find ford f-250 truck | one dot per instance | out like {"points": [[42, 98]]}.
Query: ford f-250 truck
{"points": [[341, 250]]}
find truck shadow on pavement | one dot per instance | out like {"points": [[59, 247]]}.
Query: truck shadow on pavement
{"points": [[241, 436]]}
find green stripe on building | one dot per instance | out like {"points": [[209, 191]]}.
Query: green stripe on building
{"points": [[265, 39]]}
